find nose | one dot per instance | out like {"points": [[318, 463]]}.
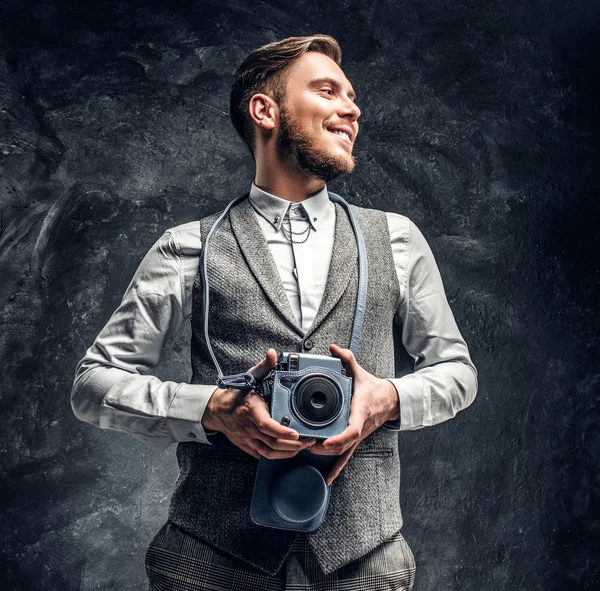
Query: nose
{"points": [[349, 108]]}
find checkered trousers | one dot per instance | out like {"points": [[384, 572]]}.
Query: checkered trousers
{"points": [[176, 561]]}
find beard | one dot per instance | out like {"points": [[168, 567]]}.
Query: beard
{"points": [[301, 150]]}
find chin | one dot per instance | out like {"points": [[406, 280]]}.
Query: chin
{"points": [[346, 161], [326, 167], [306, 153]]}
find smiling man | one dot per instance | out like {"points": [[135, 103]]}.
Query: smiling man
{"points": [[282, 271]]}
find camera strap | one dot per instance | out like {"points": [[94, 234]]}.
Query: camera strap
{"points": [[246, 381], [361, 295]]}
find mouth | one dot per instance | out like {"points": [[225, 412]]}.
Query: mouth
{"points": [[344, 132]]}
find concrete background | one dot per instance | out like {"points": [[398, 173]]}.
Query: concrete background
{"points": [[479, 123]]}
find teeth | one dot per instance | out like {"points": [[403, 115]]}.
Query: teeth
{"points": [[342, 133]]}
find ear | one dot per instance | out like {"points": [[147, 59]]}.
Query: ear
{"points": [[264, 111]]}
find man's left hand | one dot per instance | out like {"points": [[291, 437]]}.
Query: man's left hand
{"points": [[374, 401]]}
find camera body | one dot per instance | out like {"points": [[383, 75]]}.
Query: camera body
{"points": [[310, 394]]}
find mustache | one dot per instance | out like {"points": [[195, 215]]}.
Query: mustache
{"points": [[342, 123]]}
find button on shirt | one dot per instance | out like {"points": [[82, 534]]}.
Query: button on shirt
{"points": [[114, 387]]}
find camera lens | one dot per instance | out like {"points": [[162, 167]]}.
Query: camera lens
{"points": [[317, 400]]}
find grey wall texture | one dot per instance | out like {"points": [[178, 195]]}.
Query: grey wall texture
{"points": [[479, 123]]}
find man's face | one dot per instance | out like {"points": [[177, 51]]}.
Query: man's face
{"points": [[318, 118]]}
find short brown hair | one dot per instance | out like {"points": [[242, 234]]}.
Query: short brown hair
{"points": [[263, 72]]}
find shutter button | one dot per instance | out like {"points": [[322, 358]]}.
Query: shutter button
{"points": [[308, 344]]}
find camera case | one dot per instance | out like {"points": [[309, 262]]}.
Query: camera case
{"points": [[310, 394]]}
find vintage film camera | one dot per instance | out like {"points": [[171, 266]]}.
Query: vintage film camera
{"points": [[310, 394]]}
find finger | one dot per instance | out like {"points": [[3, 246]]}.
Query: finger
{"points": [[339, 464], [299, 445], [347, 358], [317, 448], [272, 454], [284, 444], [320, 449], [261, 419], [263, 367], [269, 426], [339, 443], [354, 430]]}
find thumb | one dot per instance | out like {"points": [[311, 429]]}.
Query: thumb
{"points": [[262, 369], [347, 358]]}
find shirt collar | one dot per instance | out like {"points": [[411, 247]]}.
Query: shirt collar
{"points": [[274, 208]]}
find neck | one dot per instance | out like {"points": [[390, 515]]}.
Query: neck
{"points": [[278, 178]]}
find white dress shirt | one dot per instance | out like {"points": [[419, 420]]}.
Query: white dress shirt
{"points": [[303, 264], [114, 387]]}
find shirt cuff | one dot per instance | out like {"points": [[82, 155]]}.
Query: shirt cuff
{"points": [[186, 411], [410, 395]]}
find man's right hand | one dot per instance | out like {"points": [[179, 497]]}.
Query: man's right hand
{"points": [[244, 418]]}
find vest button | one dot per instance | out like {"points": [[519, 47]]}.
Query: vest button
{"points": [[308, 344]]}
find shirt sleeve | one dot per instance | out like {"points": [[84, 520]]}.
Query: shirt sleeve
{"points": [[445, 379], [113, 388]]}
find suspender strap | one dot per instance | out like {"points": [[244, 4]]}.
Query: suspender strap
{"points": [[246, 381]]}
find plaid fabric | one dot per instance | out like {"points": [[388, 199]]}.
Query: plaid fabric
{"points": [[176, 561]]}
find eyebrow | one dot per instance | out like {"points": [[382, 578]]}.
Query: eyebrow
{"points": [[335, 83]]}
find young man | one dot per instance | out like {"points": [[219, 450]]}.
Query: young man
{"points": [[282, 272]]}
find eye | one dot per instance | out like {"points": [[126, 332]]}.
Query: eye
{"points": [[327, 90]]}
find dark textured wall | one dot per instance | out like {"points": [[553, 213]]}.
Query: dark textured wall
{"points": [[479, 122]]}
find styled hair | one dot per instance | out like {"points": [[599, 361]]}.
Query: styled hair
{"points": [[263, 71]]}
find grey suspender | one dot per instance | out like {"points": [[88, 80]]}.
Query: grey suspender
{"points": [[246, 381]]}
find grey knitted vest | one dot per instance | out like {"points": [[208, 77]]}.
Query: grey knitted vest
{"points": [[250, 312]]}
